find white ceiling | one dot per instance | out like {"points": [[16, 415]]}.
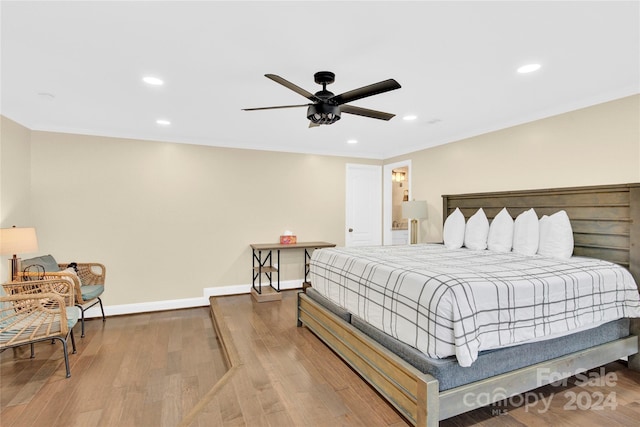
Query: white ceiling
{"points": [[456, 62]]}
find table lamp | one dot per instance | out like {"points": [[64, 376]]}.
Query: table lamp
{"points": [[414, 210], [16, 240]]}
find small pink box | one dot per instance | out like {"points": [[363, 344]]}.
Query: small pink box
{"points": [[288, 240]]}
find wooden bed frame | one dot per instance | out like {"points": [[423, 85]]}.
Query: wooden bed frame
{"points": [[606, 225]]}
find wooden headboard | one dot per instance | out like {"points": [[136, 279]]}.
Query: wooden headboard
{"points": [[605, 219]]}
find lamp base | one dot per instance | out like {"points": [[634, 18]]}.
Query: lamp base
{"points": [[414, 231], [14, 267]]}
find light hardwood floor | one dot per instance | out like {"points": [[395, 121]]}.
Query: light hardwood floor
{"points": [[140, 370], [168, 369]]}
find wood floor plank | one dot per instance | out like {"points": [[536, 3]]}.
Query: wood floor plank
{"points": [[87, 419], [11, 415], [113, 407]]}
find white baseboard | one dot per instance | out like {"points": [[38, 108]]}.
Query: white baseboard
{"points": [[146, 307]]}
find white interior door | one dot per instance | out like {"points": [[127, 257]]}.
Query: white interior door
{"points": [[364, 205]]}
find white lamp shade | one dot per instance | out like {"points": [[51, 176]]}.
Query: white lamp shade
{"points": [[15, 241], [415, 209]]}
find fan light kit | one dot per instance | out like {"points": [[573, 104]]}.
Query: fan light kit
{"points": [[323, 114], [327, 107]]}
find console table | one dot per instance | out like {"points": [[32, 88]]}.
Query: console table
{"points": [[264, 265]]}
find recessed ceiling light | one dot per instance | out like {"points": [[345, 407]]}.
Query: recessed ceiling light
{"points": [[163, 122], [352, 141], [528, 68], [409, 117], [153, 81]]}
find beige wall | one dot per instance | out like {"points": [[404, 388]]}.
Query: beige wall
{"points": [[591, 146], [15, 180], [171, 219]]}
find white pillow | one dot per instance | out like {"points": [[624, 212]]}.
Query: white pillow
{"points": [[476, 231], [500, 237], [556, 236], [453, 233], [72, 271], [526, 233]]}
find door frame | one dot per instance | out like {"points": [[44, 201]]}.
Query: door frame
{"points": [[387, 207]]}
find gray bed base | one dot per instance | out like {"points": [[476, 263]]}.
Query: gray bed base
{"points": [[489, 363]]}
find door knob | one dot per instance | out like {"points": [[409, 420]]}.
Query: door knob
{"points": [[351, 230]]}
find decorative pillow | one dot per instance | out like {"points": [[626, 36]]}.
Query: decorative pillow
{"points": [[556, 236], [453, 233], [526, 233], [74, 272], [500, 237], [46, 261], [476, 231]]}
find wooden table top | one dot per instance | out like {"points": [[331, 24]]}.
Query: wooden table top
{"points": [[299, 245]]}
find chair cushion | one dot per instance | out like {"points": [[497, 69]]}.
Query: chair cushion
{"points": [[73, 314], [25, 326], [20, 328], [47, 261], [90, 292]]}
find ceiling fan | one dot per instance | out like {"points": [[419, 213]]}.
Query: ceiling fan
{"points": [[326, 106]]}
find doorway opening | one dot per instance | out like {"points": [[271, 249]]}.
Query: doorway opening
{"points": [[396, 189]]}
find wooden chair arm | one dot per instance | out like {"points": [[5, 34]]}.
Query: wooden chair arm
{"points": [[26, 318], [90, 273], [57, 284]]}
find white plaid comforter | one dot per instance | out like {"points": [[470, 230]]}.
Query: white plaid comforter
{"points": [[458, 302]]}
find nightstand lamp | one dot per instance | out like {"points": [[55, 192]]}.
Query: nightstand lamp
{"points": [[414, 210], [15, 241]]}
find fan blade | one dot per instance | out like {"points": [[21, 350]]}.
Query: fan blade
{"points": [[275, 108], [359, 111], [296, 89], [313, 125], [363, 92]]}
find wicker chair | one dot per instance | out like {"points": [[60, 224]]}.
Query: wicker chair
{"points": [[36, 311], [88, 282]]}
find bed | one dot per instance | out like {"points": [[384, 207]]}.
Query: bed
{"points": [[606, 225]]}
